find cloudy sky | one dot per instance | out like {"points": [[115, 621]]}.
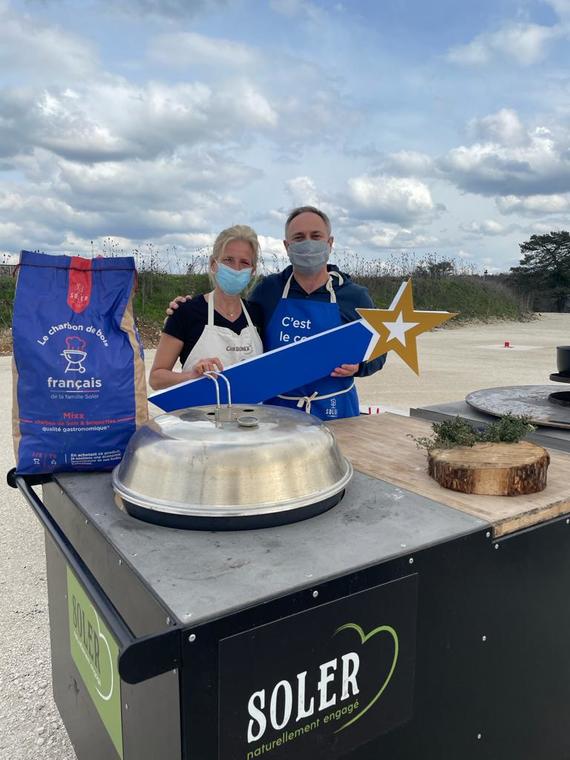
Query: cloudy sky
{"points": [[419, 126]]}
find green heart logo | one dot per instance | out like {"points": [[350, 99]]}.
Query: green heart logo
{"points": [[105, 697], [364, 637]]}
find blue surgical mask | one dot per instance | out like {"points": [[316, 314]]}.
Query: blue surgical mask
{"points": [[309, 256], [232, 281]]}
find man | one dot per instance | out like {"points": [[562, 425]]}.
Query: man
{"points": [[315, 296], [307, 298]]}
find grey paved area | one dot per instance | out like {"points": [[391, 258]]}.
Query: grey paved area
{"points": [[453, 362]]}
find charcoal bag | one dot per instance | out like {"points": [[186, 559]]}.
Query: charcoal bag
{"points": [[79, 389]]}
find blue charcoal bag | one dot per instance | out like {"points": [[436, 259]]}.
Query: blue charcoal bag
{"points": [[79, 377]]}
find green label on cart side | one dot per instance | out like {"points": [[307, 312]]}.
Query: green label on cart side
{"points": [[96, 655]]}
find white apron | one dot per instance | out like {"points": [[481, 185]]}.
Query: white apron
{"points": [[223, 342]]}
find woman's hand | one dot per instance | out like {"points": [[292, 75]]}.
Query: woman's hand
{"points": [[212, 364], [173, 305], [345, 370]]}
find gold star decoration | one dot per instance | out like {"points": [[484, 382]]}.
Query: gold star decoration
{"points": [[399, 326]]}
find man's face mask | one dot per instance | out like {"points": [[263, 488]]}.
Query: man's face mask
{"points": [[309, 256]]}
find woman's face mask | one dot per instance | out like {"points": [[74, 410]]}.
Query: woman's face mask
{"points": [[232, 281], [309, 256]]}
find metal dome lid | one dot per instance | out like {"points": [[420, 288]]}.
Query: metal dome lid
{"points": [[225, 466]]}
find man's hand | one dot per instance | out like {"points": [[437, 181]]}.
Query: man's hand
{"points": [[173, 305], [345, 370]]}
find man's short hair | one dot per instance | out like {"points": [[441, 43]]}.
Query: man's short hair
{"points": [[311, 210]]}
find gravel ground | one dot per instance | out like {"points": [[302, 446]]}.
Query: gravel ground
{"points": [[30, 726], [453, 362]]}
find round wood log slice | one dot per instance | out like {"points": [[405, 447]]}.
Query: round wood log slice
{"points": [[498, 469]]}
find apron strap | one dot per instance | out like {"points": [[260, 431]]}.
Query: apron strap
{"points": [[285, 293], [328, 285], [246, 314], [306, 401], [211, 309]]}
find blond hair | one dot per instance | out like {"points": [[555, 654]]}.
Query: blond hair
{"points": [[237, 232]]}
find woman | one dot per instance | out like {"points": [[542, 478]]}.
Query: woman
{"points": [[215, 330]]}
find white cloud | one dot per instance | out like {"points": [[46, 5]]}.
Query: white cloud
{"points": [[408, 163], [188, 193], [472, 54], [390, 199], [144, 122], [315, 120], [560, 7], [117, 145], [277, 215], [503, 127], [270, 244], [90, 154], [486, 227], [50, 222], [9, 230], [159, 117], [42, 52], [189, 240], [525, 44], [534, 204], [510, 162], [186, 49], [72, 106], [258, 112], [539, 228], [382, 237], [303, 192], [23, 206]]}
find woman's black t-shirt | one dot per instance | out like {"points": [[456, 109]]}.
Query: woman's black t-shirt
{"points": [[188, 322]]}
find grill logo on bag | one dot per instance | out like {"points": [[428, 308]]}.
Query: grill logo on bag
{"points": [[74, 354]]}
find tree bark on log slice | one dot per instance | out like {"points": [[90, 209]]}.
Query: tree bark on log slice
{"points": [[498, 469]]}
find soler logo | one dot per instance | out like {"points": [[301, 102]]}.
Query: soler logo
{"points": [[95, 654], [333, 698], [322, 681], [94, 646]]}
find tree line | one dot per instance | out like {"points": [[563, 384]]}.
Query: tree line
{"points": [[545, 266], [541, 277]]}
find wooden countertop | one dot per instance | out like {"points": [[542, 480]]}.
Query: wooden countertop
{"points": [[380, 446]]}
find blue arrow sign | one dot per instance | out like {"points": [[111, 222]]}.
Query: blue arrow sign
{"points": [[278, 371]]}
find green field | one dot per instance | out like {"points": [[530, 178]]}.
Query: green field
{"points": [[474, 297]]}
